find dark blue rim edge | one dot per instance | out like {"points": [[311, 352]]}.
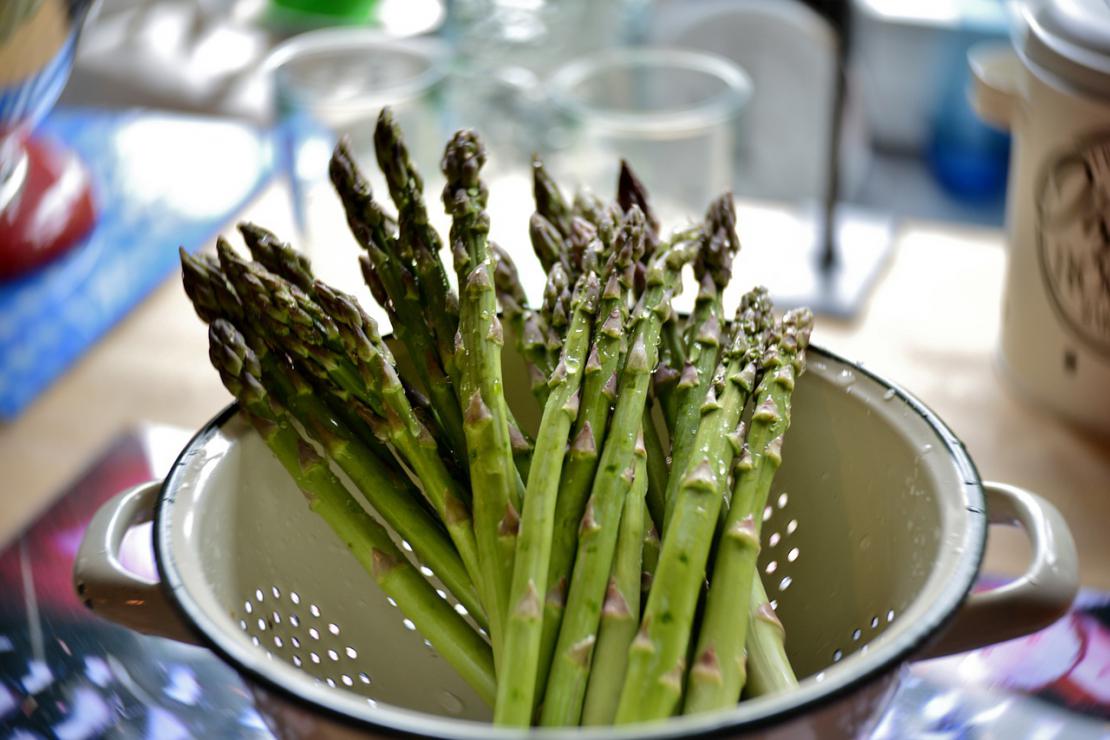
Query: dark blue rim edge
{"points": [[930, 628]]}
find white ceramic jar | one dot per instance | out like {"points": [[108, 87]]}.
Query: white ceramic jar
{"points": [[1052, 90]]}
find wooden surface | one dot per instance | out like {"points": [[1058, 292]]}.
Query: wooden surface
{"points": [[930, 325]]}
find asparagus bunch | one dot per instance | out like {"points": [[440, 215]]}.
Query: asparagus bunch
{"points": [[582, 560], [657, 657]]}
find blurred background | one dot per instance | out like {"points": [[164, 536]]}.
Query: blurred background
{"points": [[831, 121]]}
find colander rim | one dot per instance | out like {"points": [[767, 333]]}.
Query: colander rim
{"points": [[774, 709]]}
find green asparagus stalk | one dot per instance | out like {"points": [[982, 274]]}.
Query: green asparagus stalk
{"points": [[599, 388], [713, 269], [493, 477], [657, 656], [769, 669], [651, 556], [385, 268], [547, 242], [631, 192], [621, 612], [524, 323], [550, 202], [598, 533], [658, 469], [719, 670], [517, 684], [406, 187], [367, 540]]}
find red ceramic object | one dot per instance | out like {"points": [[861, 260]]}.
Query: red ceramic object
{"points": [[51, 211]]}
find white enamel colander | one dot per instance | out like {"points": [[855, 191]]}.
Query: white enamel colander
{"points": [[873, 537]]}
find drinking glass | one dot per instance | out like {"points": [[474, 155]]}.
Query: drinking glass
{"points": [[673, 114], [333, 83]]}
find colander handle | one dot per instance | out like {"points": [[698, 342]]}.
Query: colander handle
{"points": [[1034, 600], [110, 589]]}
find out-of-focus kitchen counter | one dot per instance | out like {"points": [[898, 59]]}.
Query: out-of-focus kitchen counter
{"points": [[930, 326]]}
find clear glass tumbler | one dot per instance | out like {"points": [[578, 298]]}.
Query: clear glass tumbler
{"points": [[673, 114], [333, 83]]}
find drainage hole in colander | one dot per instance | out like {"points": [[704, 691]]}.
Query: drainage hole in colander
{"points": [[243, 624], [347, 680], [258, 595], [249, 607], [441, 593], [408, 624], [297, 660], [296, 641], [783, 499], [255, 641], [314, 657], [890, 616], [819, 677], [352, 653], [294, 620], [874, 622], [775, 537], [856, 634], [767, 511], [275, 618], [391, 601], [314, 633], [364, 677], [405, 544], [261, 624], [837, 655], [792, 555], [461, 610], [785, 583], [315, 610], [333, 655], [277, 642], [294, 597], [331, 682], [792, 526], [771, 567], [427, 571], [333, 628]]}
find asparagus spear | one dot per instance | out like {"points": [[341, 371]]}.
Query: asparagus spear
{"points": [[598, 533], [547, 242], [367, 540], [719, 672], [657, 656], [621, 611], [441, 305], [493, 478], [657, 468], [526, 326], [387, 273], [599, 388], [713, 269], [631, 192], [517, 684], [769, 669], [550, 202]]}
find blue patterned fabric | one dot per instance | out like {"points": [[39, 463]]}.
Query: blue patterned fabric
{"points": [[160, 181]]}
